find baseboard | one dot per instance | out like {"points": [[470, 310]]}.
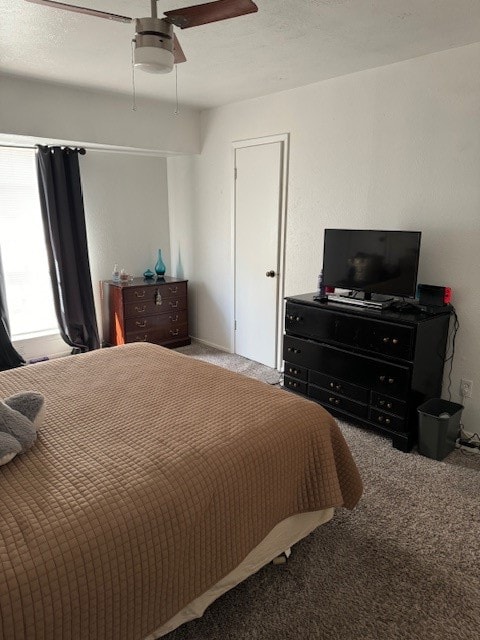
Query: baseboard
{"points": [[211, 344]]}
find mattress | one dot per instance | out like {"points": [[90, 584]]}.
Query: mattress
{"points": [[153, 477]]}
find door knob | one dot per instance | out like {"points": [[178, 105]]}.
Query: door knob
{"points": [[270, 274]]}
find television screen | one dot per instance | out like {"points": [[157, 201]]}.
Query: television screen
{"points": [[382, 262]]}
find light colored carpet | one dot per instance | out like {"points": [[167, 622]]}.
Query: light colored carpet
{"points": [[231, 361], [403, 565]]}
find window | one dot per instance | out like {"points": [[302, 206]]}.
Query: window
{"points": [[22, 242]]}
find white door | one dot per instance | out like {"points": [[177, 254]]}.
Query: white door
{"points": [[258, 199]]}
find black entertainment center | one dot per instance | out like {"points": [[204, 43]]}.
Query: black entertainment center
{"points": [[372, 365]]}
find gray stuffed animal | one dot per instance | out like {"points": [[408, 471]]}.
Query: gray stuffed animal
{"points": [[20, 417]]}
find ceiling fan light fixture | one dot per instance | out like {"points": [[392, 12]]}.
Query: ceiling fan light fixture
{"points": [[153, 45], [153, 59]]}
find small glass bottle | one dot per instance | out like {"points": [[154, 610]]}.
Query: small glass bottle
{"points": [[116, 274]]}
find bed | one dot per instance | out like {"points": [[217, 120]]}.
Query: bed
{"points": [[156, 483]]}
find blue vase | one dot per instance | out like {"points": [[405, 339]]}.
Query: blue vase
{"points": [[160, 267]]}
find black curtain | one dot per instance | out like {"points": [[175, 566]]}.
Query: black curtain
{"points": [[63, 215], [9, 358]]}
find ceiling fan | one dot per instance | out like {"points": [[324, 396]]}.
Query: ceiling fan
{"points": [[156, 46]]}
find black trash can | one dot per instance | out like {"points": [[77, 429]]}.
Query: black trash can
{"points": [[438, 427]]}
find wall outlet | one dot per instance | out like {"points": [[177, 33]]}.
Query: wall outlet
{"points": [[466, 387]]}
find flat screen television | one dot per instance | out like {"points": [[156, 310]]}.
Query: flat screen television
{"points": [[374, 262]]}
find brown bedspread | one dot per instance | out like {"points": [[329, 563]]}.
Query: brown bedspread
{"points": [[152, 477]]}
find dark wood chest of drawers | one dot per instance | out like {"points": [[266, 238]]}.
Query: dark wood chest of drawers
{"points": [[365, 366], [145, 311]]}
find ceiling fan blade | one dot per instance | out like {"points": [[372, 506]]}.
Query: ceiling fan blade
{"points": [[209, 12], [85, 10], [178, 54]]}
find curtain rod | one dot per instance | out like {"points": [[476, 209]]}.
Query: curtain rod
{"points": [[104, 149], [81, 150]]}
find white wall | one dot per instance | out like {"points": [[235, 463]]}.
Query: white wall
{"points": [[126, 213], [394, 147], [50, 111]]}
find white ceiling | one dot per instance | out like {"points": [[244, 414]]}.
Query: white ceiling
{"points": [[288, 43]]}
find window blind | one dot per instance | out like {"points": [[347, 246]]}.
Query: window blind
{"points": [[22, 243]]}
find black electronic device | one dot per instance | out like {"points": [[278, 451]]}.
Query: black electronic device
{"points": [[431, 295], [372, 261]]}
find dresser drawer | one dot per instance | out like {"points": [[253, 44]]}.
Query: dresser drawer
{"points": [[169, 319], [386, 338], [294, 371], [149, 292], [295, 385], [334, 385], [307, 321], [387, 420], [337, 401], [377, 375], [150, 307], [158, 335], [391, 405]]}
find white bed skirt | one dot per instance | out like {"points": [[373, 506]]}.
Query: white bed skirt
{"points": [[283, 536]]}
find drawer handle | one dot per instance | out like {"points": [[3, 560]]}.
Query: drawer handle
{"points": [[387, 420], [380, 418], [140, 295], [174, 318], [138, 339], [395, 341], [142, 325], [386, 340], [294, 371], [141, 309], [391, 380], [174, 305], [331, 399], [382, 378], [173, 289], [389, 405], [382, 403], [174, 332], [292, 384], [338, 387], [293, 350]]}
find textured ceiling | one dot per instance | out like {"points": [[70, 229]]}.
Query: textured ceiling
{"points": [[288, 43]]}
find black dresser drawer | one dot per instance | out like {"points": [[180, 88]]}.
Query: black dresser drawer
{"points": [[377, 375], [385, 338], [295, 385], [306, 321], [294, 371], [392, 405], [387, 420], [337, 401], [335, 385]]}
